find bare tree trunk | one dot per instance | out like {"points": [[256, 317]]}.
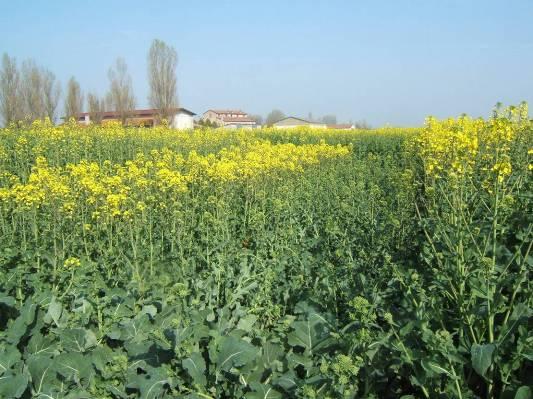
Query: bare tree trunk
{"points": [[96, 108], [120, 94], [32, 88], [74, 100], [10, 96], [51, 92], [162, 61]]}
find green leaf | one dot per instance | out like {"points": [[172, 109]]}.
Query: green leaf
{"points": [[433, 367], [482, 357], [523, 392], [150, 385], [303, 335], [262, 391], [54, 312], [271, 353], [295, 360], [8, 358], [149, 310], [77, 339], [80, 395], [136, 329], [13, 386], [101, 356], [195, 366], [82, 306], [7, 300], [75, 367], [234, 352], [19, 327], [286, 381], [309, 334], [43, 374], [42, 345], [246, 323]]}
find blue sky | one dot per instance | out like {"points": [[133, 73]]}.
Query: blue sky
{"points": [[393, 61]]}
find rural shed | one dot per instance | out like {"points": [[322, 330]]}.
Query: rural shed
{"points": [[292, 122]]}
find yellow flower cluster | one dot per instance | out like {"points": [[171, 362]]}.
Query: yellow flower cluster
{"points": [[458, 148], [45, 186], [155, 180], [72, 263], [313, 135], [72, 143], [262, 158], [449, 147]]}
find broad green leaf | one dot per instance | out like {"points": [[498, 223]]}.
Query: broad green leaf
{"points": [[43, 345], [195, 366], [13, 386], [271, 352], [81, 394], [234, 352], [262, 391], [19, 327], [140, 350], [7, 300], [115, 333], [54, 312], [310, 333], [82, 307], [246, 323], [303, 335], [43, 374], [8, 358], [149, 310], [287, 381], [523, 392], [75, 367], [150, 385], [101, 356], [482, 357], [294, 360], [77, 339], [136, 329]]}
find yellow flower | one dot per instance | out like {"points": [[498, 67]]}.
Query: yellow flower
{"points": [[72, 263]]}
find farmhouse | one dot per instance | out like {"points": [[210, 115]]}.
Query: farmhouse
{"points": [[182, 118], [293, 122], [231, 119]]}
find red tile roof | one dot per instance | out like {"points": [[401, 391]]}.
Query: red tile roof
{"points": [[228, 111]]}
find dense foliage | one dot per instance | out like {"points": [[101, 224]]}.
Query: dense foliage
{"points": [[267, 264]]}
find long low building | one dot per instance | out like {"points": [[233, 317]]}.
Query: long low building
{"points": [[182, 118], [293, 122]]}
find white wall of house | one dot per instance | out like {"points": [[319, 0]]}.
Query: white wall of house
{"points": [[182, 121], [212, 117]]}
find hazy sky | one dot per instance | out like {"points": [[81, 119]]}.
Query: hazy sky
{"points": [[392, 61]]}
